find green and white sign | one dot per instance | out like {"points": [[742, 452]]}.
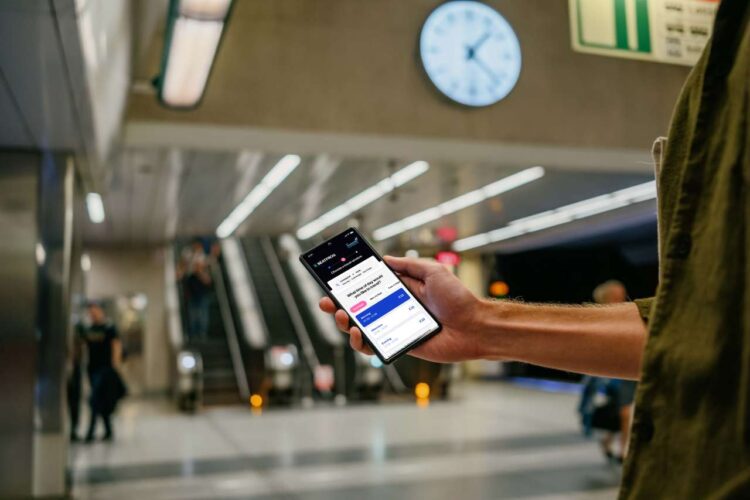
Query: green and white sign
{"points": [[668, 31]]}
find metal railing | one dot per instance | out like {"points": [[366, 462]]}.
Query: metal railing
{"points": [[230, 331], [254, 327], [311, 293], [308, 350], [172, 301]]}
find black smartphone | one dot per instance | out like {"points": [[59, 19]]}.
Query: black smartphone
{"points": [[392, 320]]}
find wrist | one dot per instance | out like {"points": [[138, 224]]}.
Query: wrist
{"points": [[497, 341]]}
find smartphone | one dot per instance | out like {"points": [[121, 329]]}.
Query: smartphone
{"points": [[392, 320]]}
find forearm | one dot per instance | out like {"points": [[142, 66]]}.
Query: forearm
{"points": [[598, 340], [116, 353]]}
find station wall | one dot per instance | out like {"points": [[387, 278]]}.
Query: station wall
{"points": [[137, 270], [353, 67]]}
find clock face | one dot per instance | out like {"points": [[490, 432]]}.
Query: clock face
{"points": [[470, 52]]}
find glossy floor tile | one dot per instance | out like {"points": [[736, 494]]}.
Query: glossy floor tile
{"points": [[491, 440]]}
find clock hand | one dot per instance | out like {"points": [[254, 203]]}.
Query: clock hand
{"points": [[481, 41], [487, 70], [471, 50]]}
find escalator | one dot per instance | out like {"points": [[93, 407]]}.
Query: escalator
{"points": [[329, 343], [231, 358], [220, 385], [279, 323], [248, 328]]}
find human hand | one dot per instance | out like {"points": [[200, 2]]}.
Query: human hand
{"points": [[457, 309]]}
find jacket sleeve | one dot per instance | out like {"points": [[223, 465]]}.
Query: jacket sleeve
{"points": [[644, 308]]}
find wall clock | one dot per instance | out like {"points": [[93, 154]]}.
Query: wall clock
{"points": [[470, 52]]}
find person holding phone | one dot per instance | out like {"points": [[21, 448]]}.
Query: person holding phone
{"points": [[690, 344]]}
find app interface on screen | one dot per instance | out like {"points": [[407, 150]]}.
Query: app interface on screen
{"points": [[380, 304]]}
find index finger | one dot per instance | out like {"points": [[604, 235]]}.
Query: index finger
{"points": [[326, 305], [416, 268]]}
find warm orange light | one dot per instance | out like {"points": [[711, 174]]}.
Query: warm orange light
{"points": [[423, 402], [422, 391], [499, 289], [256, 401]]}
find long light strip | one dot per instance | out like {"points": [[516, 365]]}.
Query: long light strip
{"points": [[95, 207], [561, 215], [399, 178], [260, 192], [459, 203]]}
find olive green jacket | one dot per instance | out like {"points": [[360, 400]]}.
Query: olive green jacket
{"points": [[691, 429]]}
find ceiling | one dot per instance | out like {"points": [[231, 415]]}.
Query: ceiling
{"points": [[340, 84], [35, 113], [64, 78], [157, 194]]}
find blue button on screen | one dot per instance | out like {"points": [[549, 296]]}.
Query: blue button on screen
{"points": [[383, 307]]}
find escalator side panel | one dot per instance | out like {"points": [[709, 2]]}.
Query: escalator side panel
{"points": [[253, 359]]}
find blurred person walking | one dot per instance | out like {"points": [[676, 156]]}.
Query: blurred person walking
{"points": [[104, 358], [607, 404]]}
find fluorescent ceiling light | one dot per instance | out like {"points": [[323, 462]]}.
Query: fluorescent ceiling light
{"points": [[85, 262], [193, 41], [561, 215], [95, 208], [41, 254], [255, 197], [205, 9], [459, 203], [362, 199]]}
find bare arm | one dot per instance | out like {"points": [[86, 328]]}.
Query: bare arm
{"points": [[116, 353], [599, 340]]}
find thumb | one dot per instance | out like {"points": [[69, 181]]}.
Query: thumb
{"points": [[415, 268]]}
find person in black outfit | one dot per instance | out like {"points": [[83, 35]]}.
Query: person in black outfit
{"points": [[104, 358]]}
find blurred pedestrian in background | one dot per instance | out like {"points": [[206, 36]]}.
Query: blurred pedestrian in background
{"points": [[607, 404], [195, 273], [104, 358]]}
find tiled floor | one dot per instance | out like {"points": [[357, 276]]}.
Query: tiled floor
{"points": [[490, 441]]}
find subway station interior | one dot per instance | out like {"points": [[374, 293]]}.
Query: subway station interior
{"points": [[165, 163]]}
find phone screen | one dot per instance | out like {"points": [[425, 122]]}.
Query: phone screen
{"points": [[374, 297]]}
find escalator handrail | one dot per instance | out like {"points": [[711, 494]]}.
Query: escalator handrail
{"points": [[172, 301], [391, 373], [230, 331], [308, 350], [310, 291], [243, 290]]}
